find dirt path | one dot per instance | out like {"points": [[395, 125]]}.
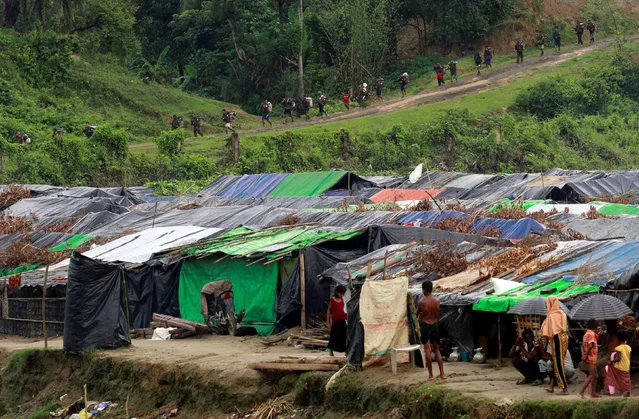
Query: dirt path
{"points": [[490, 79], [227, 358]]}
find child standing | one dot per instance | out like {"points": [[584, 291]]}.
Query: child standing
{"points": [[589, 353], [618, 369], [336, 321]]}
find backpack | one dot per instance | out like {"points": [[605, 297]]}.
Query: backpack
{"points": [[322, 99], [226, 117]]}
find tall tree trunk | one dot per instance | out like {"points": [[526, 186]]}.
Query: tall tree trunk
{"points": [[300, 57]]}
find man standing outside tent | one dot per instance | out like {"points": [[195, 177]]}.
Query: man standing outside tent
{"points": [[427, 314]]}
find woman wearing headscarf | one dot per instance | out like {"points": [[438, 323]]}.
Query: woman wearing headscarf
{"points": [[555, 329]]}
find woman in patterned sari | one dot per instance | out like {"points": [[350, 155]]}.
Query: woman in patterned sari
{"points": [[555, 330]]}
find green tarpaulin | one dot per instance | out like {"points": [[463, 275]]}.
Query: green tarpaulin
{"points": [[269, 242], [254, 289], [72, 243], [20, 269], [307, 184], [525, 205], [503, 302], [611, 209]]}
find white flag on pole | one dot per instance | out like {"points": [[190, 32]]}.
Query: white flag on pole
{"points": [[416, 174]]}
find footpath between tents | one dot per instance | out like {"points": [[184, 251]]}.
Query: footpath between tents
{"points": [[33, 380]]}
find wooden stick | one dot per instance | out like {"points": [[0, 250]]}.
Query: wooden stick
{"points": [[303, 289], [86, 398], [499, 337], [273, 366], [44, 306], [126, 406]]}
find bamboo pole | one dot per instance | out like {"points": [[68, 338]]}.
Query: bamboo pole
{"points": [[44, 306], [499, 337], [86, 398], [303, 289]]}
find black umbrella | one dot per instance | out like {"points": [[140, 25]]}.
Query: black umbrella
{"points": [[600, 307], [535, 305]]}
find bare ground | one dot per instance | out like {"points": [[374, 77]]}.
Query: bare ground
{"points": [[228, 357]]}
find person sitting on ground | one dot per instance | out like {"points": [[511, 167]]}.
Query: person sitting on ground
{"points": [[88, 129], [427, 315], [439, 71], [589, 353], [452, 68], [216, 299], [545, 364], [617, 372], [336, 321], [478, 62], [525, 355], [488, 57]]}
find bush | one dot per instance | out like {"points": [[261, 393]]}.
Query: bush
{"points": [[170, 142]]}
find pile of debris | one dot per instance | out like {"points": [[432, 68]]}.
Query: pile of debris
{"points": [[165, 327]]}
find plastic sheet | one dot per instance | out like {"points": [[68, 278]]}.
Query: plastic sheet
{"points": [[218, 185], [95, 312], [253, 186]]}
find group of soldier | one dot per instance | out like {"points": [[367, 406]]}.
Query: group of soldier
{"points": [[228, 117], [56, 136], [556, 37]]}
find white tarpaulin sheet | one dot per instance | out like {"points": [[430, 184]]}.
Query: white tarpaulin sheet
{"points": [[383, 309], [140, 247]]}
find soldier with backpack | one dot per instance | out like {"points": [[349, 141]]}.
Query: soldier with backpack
{"points": [[176, 122], [452, 68], [541, 41], [579, 30], [439, 71], [488, 57], [556, 36], [403, 82], [288, 104], [228, 117], [478, 62], [519, 48], [591, 29], [266, 108], [379, 88], [321, 102], [307, 103], [196, 123]]}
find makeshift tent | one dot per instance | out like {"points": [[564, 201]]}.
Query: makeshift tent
{"points": [[307, 184], [253, 186], [399, 195], [96, 308]]}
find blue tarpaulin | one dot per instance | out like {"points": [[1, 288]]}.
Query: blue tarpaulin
{"points": [[511, 229], [598, 267], [253, 186]]}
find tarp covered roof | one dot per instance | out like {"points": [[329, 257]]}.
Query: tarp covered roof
{"points": [[398, 195], [307, 184], [253, 186], [268, 243]]}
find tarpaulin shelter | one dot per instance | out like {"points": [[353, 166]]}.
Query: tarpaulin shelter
{"points": [[308, 184], [510, 229], [96, 307], [253, 186], [400, 195], [252, 261]]}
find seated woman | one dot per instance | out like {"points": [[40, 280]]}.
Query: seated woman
{"points": [[525, 355]]}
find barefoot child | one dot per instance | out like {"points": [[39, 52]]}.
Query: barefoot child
{"points": [[336, 321], [589, 353]]}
